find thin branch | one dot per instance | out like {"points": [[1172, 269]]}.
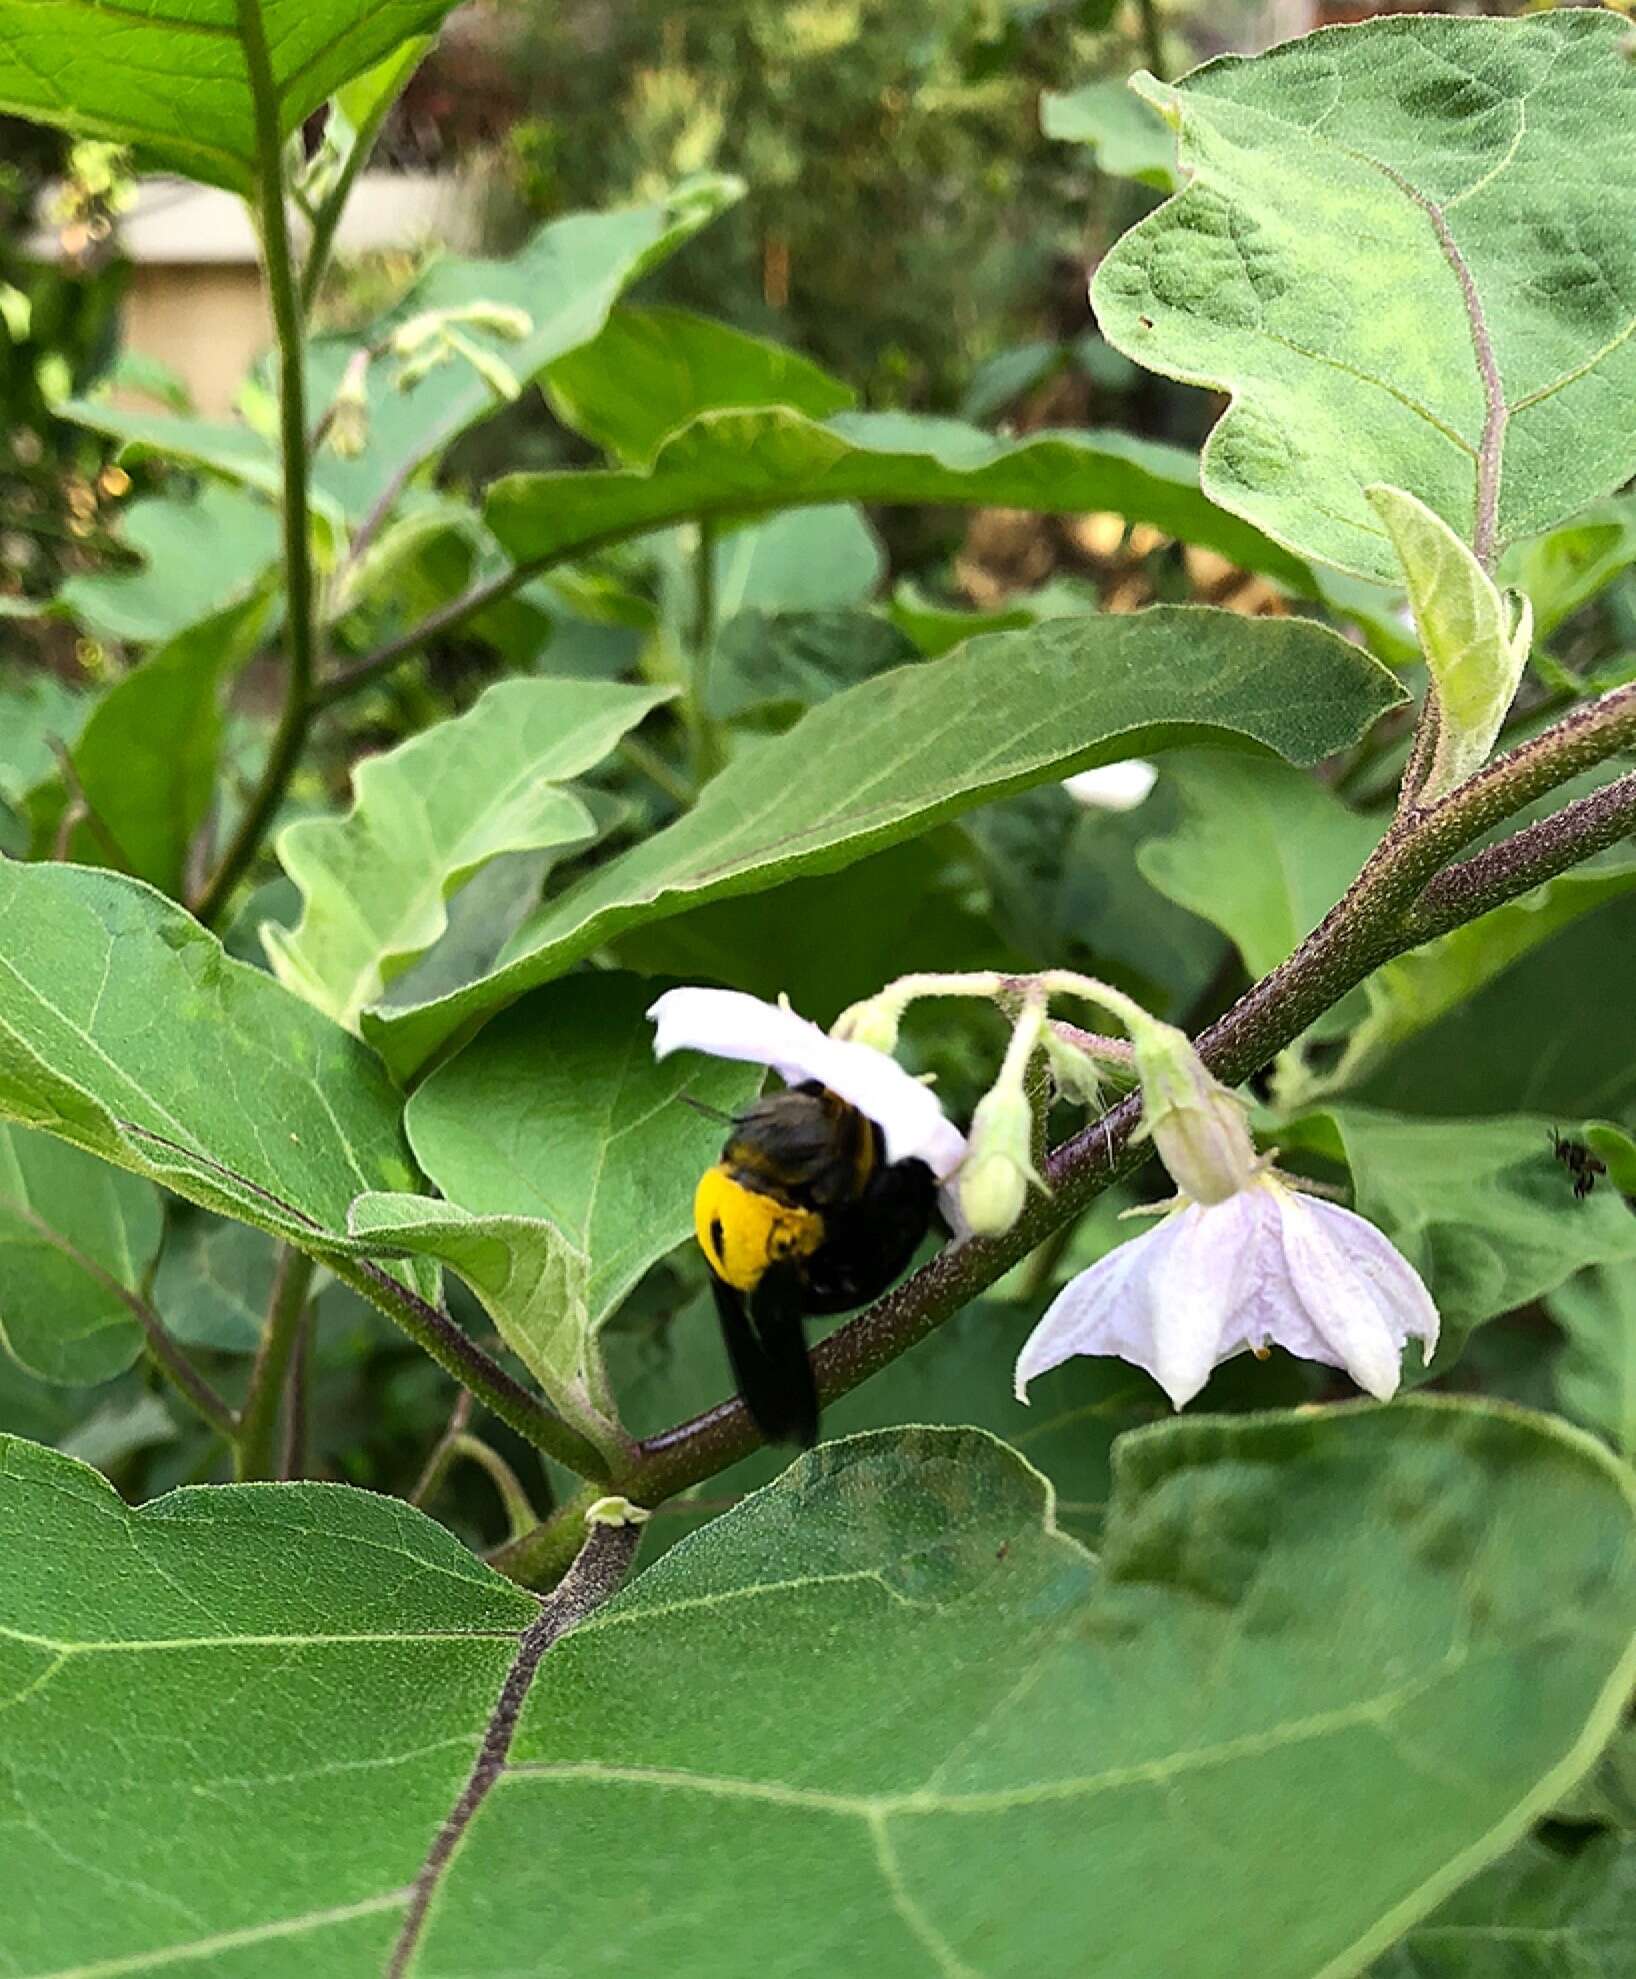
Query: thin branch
{"points": [[168, 1356], [458, 1354], [278, 262], [286, 1308], [442, 1455], [292, 1454], [521, 1516], [1527, 859]]}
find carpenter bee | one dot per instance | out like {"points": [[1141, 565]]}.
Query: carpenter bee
{"points": [[1580, 1163], [803, 1214]]}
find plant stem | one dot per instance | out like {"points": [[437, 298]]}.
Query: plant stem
{"points": [[702, 644], [1153, 45], [292, 1454], [437, 1464], [257, 1439], [278, 262], [520, 1514], [457, 1354]]}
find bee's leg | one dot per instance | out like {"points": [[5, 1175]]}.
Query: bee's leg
{"points": [[767, 1345]]}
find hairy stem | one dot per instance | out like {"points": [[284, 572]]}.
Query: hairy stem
{"points": [[278, 263], [257, 1440], [458, 1354]]}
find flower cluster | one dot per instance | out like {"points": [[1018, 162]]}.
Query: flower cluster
{"points": [[1240, 1261]]}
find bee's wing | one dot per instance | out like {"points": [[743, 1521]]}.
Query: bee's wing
{"points": [[767, 1345]]}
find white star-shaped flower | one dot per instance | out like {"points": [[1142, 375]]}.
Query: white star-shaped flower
{"points": [[1262, 1267]]}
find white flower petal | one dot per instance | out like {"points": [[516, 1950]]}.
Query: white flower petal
{"points": [[1114, 787], [1354, 1289], [1101, 1311], [730, 1024], [1198, 1265]]}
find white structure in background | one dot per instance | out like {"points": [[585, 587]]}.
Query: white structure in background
{"points": [[194, 302]]}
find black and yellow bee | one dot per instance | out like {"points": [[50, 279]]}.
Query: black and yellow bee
{"points": [[802, 1215]]}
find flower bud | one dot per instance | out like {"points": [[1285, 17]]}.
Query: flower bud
{"points": [[873, 1022], [1196, 1123], [992, 1185]]}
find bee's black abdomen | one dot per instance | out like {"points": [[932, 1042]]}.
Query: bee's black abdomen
{"points": [[869, 1242], [767, 1346]]}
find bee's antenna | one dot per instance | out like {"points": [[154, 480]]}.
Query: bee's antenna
{"points": [[709, 1112]]}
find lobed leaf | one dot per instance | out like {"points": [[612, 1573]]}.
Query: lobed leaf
{"points": [[1001, 714], [425, 818], [1485, 336]]}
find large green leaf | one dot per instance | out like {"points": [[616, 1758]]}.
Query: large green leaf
{"points": [[428, 815], [126, 1030], [146, 763], [1481, 1208], [737, 464], [1538, 1913], [1377, 1642], [177, 81], [564, 280], [652, 370], [1000, 714], [560, 1110], [75, 1235], [1596, 1370], [1487, 167], [1262, 850]]}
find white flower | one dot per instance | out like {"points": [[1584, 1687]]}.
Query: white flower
{"points": [[1264, 1266], [730, 1024], [1114, 787]]}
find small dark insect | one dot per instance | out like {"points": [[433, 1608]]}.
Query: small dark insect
{"points": [[1580, 1163]]}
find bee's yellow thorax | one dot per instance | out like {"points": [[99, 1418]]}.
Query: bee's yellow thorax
{"points": [[741, 1231]]}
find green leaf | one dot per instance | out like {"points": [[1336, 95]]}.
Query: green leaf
{"points": [[901, 910], [1544, 1037], [428, 815], [75, 1236], [178, 84], [812, 1719], [1565, 569], [1544, 1912], [1411, 993], [1475, 640], [565, 279], [805, 560], [560, 1111], [1001, 714], [147, 762], [287, 1664], [1596, 1370], [1128, 137], [1262, 850], [653, 369], [214, 1282], [770, 660], [126, 1030], [202, 554], [1475, 158], [36, 709], [737, 464], [1481, 1208]]}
